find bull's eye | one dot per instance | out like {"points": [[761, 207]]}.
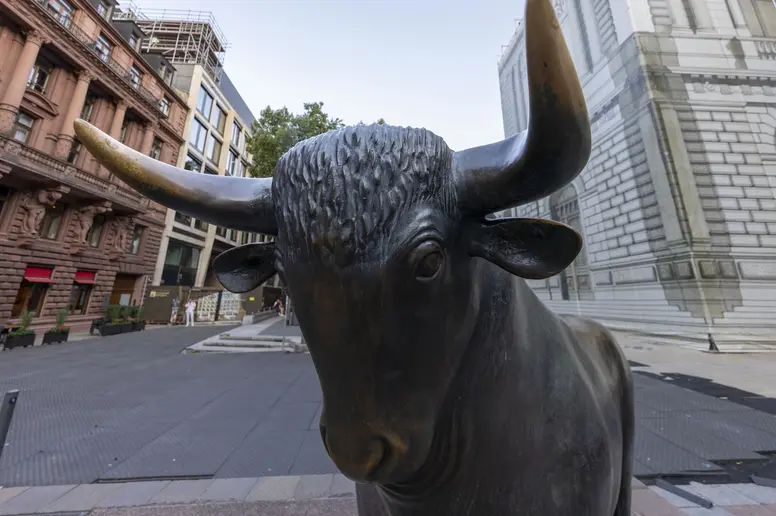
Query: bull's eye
{"points": [[428, 259]]}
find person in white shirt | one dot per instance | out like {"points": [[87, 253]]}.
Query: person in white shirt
{"points": [[190, 306]]}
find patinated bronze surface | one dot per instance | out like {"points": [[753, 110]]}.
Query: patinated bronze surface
{"points": [[449, 388]]}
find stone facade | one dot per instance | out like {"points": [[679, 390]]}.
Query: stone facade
{"points": [[71, 235], [678, 201]]}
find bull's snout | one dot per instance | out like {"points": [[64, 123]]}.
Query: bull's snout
{"points": [[358, 457]]}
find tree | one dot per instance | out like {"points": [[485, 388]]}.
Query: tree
{"points": [[276, 131], [381, 121]]}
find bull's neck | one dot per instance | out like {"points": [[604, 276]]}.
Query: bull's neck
{"points": [[503, 350]]}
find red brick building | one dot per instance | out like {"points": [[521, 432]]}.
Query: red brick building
{"points": [[71, 235]]}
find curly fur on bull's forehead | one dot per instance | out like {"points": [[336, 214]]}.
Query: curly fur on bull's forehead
{"points": [[338, 194]]}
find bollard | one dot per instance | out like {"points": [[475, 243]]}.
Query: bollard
{"points": [[6, 414]]}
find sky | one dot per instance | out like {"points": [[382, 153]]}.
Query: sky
{"points": [[419, 63]]}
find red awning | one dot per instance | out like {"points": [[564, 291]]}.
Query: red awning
{"points": [[85, 276], [38, 274]]}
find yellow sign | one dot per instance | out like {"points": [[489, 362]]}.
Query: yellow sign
{"points": [[159, 293], [251, 299]]}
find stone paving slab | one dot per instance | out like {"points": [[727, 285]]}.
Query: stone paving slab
{"points": [[131, 407], [313, 495]]}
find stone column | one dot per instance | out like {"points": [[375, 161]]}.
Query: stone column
{"points": [[701, 11], [9, 105], [67, 133], [118, 119], [736, 13], [148, 139], [678, 14]]}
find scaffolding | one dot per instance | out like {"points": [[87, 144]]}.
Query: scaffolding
{"points": [[182, 36]]}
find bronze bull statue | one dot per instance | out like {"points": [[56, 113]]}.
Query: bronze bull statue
{"points": [[448, 387]]}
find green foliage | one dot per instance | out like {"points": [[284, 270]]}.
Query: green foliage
{"points": [[126, 313], [140, 314], [381, 121], [24, 324], [276, 131], [61, 320], [114, 312]]}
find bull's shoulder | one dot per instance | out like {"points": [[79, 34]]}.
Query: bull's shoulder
{"points": [[599, 344]]}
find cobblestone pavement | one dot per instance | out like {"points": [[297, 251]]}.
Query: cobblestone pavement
{"points": [[132, 408]]}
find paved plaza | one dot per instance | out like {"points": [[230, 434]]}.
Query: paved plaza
{"points": [[132, 410]]}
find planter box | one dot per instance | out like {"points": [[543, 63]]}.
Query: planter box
{"points": [[110, 329], [126, 327], [19, 341], [52, 337], [138, 326]]}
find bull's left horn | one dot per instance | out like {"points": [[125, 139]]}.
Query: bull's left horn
{"points": [[555, 147], [240, 203]]}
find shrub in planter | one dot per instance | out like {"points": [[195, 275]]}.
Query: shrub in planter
{"points": [[21, 337], [138, 319], [111, 328], [60, 332]]}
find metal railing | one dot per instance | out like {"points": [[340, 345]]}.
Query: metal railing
{"points": [[90, 42]]}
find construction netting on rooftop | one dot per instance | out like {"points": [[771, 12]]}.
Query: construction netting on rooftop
{"points": [[182, 36]]}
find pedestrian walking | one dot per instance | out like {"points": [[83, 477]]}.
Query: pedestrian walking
{"points": [[190, 306]]}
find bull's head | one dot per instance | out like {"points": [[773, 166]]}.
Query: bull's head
{"points": [[381, 236]]}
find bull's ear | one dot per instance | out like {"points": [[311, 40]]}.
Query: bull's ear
{"points": [[528, 248], [245, 268]]}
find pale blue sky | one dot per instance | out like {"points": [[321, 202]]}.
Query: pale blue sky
{"points": [[422, 63]]}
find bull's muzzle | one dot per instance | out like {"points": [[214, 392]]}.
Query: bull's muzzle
{"points": [[360, 458]]}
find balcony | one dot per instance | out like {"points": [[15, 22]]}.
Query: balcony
{"points": [[53, 169], [90, 43]]}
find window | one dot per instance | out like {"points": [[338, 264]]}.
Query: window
{"points": [[75, 151], [95, 232], [103, 9], [200, 225], [124, 131], [88, 109], [213, 149], [245, 238], [61, 10], [137, 239], [765, 11], [243, 168], [205, 102], [49, 228], [182, 218], [211, 171], [30, 297], [221, 232], [220, 121], [192, 164], [233, 235], [180, 264], [135, 76], [103, 47], [236, 134], [23, 127], [79, 298], [134, 41], [232, 163], [198, 136], [39, 76], [164, 106], [156, 149]]}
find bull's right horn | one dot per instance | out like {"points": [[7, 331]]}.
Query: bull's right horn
{"points": [[240, 203]]}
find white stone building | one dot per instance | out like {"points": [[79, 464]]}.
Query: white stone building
{"points": [[678, 201]]}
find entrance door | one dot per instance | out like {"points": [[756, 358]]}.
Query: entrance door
{"points": [[124, 289]]}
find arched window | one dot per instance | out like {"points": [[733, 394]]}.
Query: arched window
{"points": [[575, 280]]}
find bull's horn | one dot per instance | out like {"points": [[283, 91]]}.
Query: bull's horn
{"points": [[240, 203], [555, 147]]}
